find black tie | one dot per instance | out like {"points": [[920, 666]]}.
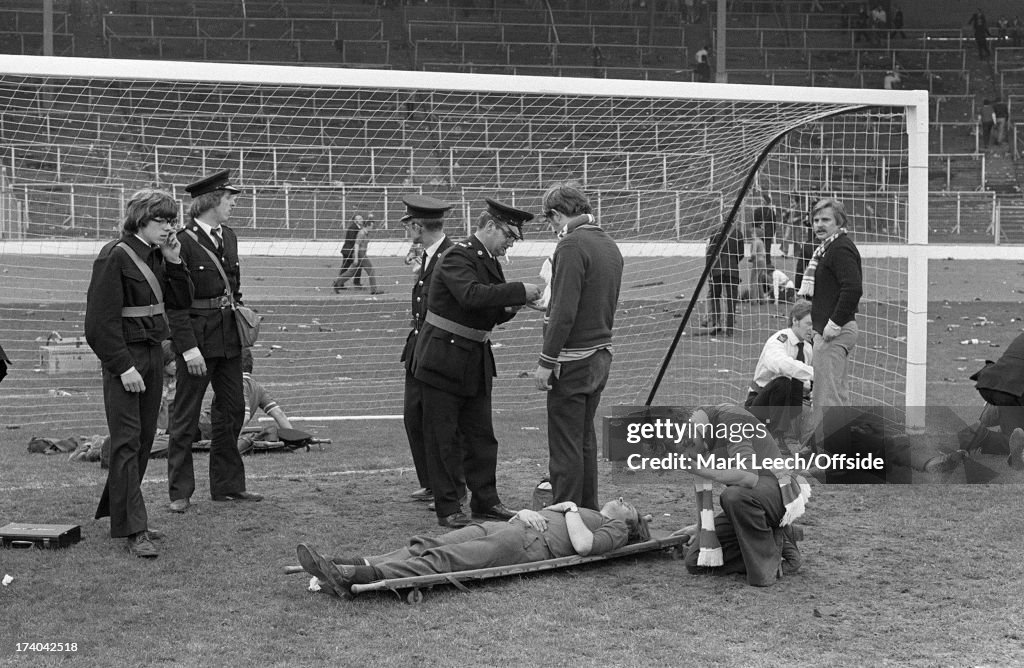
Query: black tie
{"points": [[217, 241], [800, 352], [423, 261]]}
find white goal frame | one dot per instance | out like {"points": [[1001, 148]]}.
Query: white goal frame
{"points": [[915, 104]]}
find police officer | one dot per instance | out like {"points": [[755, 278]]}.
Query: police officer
{"points": [[453, 361], [134, 280], [424, 219], [210, 351]]}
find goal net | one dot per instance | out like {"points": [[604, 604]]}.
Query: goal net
{"points": [[665, 165]]}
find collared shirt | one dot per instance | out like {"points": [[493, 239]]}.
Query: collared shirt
{"points": [[778, 358], [431, 250], [209, 231]]}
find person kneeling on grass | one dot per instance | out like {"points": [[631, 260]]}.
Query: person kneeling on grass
{"points": [[559, 530], [754, 534]]}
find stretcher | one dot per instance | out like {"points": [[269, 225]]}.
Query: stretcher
{"points": [[413, 586]]}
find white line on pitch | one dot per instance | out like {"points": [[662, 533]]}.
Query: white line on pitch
{"points": [[336, 418]]}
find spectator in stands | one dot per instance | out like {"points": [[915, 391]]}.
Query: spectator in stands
{"points": [[892, 80], [980, 25], [879, 20], [360, 260], [784, 373], [703, 54], [987, 121], [861, 24], [347, 249], [1016, 32], [702, 70], [598, 59], [897, 23], [723, 283], [126, 324], [1002, 114], [1002, 30]]}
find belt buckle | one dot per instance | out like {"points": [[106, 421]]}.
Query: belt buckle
{"points": [[225, 301]]}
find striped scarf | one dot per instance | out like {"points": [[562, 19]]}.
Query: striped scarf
{"points": [[795, 493], [807, 284]]}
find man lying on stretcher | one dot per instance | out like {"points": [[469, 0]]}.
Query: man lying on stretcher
{"points": [[560, 530]]}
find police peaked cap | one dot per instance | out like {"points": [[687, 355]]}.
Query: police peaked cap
{"points": [[423, 207], [212, 183], [508, 215]]}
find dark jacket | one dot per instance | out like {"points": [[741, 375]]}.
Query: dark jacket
{"points": [[118, 282], [212, 330], [469, 288], [838, 284], [420, 295], [1006, 374], [586, 276], [727, 266]]}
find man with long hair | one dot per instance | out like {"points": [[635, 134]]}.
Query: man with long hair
{"points": [[134, 280]]}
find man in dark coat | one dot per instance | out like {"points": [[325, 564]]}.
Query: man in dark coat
{"points": [[453, 360], [424, 218], [209, 349], [1001, 384], [134, 280]]}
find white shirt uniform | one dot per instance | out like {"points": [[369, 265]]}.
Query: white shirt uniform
{"points": [[778, 358]]}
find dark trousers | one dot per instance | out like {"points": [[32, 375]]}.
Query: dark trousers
{"points": [[412, 414], [777, 403], [804, 252], [747, 532], [131, 419], [227, 472], [572, 441], [459, 433], [722, 290]]}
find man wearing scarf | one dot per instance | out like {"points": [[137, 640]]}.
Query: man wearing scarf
{"points": [[833, 282]]}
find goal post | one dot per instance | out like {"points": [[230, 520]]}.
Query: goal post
{"points": [[664, 164]]}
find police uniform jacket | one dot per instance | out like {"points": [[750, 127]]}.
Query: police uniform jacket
{"points": [[420, 294], [468, 288], [117, 282], [212, 329], [1006, 374]]}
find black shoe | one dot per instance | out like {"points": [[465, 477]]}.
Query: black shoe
{"points": [[945, 463], [239, 496], [496, 512], [463, 501], [709, 331], [455, 520], [338, 578], [141, 546]]}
